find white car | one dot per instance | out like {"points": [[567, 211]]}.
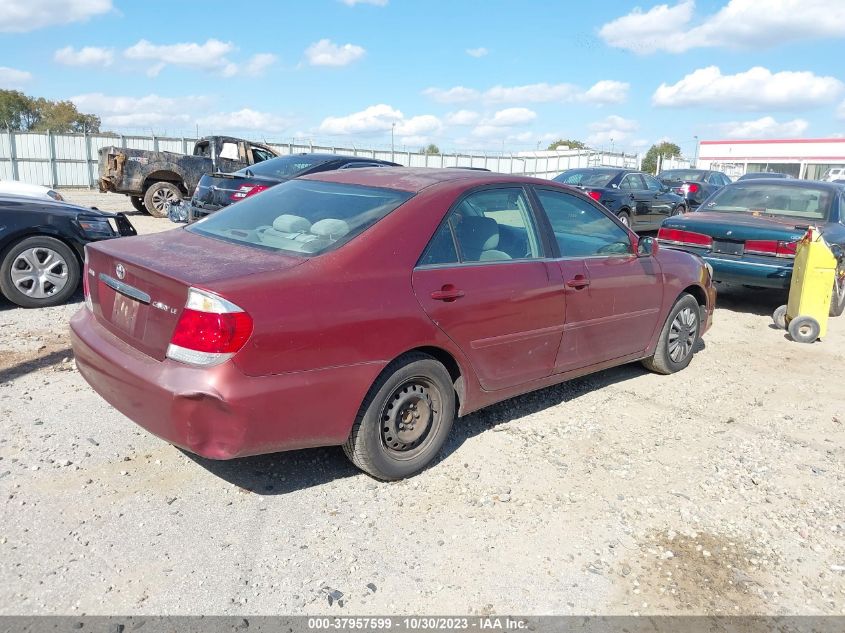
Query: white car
{"points": [[17, 188], [834, 174]]}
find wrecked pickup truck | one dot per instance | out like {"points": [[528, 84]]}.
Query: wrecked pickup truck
{"points": [[153, 180]]}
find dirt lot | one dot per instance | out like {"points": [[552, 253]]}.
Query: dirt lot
{"points": [[717, 490]]}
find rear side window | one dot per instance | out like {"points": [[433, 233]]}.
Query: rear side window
{"points": [[580, 229], [487, 225], [302, 216]]}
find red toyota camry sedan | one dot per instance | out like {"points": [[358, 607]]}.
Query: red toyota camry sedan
{"points": [[371, 307]]}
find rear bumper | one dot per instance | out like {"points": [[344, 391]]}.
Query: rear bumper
{"points": [[750, 272], [220, 412]]}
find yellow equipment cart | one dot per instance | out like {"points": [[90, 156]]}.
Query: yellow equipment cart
{"points": [[813, 274]]}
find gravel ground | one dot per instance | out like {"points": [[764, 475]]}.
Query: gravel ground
{"points": [[716, 490]]}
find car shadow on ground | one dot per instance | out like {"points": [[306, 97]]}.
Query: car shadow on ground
{"points": [[759, 301], [282, 473]]}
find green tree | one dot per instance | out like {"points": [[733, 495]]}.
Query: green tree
{"points": [[571, 144], [666, 149], [17, 111], [21, 112], [430, 149]]}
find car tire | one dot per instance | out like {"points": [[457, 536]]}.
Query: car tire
{"points": [[804, 329], [779, 317], [678, 338], [138, 203], [158, 196], [624, 218], [679, 210], [837, 297], [385, 440], [51, 260]]}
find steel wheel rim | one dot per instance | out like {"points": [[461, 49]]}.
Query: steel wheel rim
{"points": [[410, 418], [161, 197], [805, 329], [682, 334], [39, 272]]}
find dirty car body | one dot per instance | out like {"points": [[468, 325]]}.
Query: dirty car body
{"points": [[332, 281]]}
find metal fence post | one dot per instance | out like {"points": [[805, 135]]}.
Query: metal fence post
{"points": [[88, 169], [13, 154], [184, 145], [52, 157]]}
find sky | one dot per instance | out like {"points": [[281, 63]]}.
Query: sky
{"points": [[497, 75]]}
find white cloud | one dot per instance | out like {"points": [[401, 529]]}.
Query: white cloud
{"points": [[327, 53], [150, 110], [462, 117], [23, 16], [257, 64], [840, 111], [754, 89], [740, 23], [531, 93], [477, 52], [376, 118], [245, 119], [13, 78], [85, 56], [764, 127], [613, 129], [607, 91], [458, 94], [377, 3], [512, 116], [419, 125], [210, 56]]}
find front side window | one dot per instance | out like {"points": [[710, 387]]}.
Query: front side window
{"points": [[308, 217], [485, 226], [652, 184], [580, 229], [259, 154]]}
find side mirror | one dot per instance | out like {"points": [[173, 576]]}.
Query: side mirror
{"points": [[646, 247]]}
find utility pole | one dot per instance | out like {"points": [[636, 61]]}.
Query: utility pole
{"points": [[695, 160]]}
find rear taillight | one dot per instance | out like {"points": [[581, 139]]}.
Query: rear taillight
{"points": [[771, 247], [690, 187], [210, 330], [245, 191], [86, 288], [685, 238], [595, 195]]}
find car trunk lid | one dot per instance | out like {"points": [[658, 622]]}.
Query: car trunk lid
{"points": [[138, 286], [219, 190], [739, 227]]}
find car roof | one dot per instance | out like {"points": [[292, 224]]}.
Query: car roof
{"points": [[327, 157], [415, 179], [789, 182]]}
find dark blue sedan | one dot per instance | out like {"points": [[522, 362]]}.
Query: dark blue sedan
{"points": [[748, 231]]}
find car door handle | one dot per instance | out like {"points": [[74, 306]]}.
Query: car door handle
{"points": [[578, 282], [447, 293]]}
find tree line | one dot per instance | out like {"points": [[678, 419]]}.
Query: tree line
{"points": [[36, 114]]}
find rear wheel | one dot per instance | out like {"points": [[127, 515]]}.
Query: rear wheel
{"points": [[676, 344], [39, 272], [624, 218], [404, 420], [159, 196], [138, 203]]}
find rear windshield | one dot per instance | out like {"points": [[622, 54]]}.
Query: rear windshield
{"points": [[587, 177], [682, 174], [809, 203], [282, 167], [301, 216]]}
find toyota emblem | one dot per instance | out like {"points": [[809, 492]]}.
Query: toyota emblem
{"points": [[120, 271]]}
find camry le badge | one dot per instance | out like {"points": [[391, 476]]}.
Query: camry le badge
{"points": [[120, 271]]}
